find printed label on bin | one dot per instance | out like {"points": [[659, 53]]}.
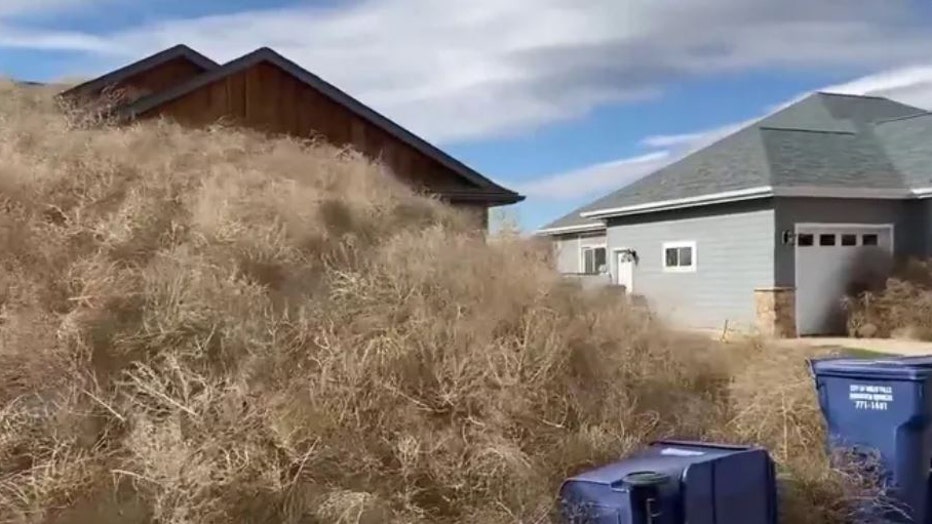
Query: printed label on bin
{"points": [[677, 452], [872, 397]]}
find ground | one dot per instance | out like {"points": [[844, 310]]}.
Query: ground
{"points": [[875, 346], [868, 346]]}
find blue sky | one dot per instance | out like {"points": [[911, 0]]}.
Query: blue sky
{"points": [[563, 100]]}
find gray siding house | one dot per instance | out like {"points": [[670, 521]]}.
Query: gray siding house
{"points": [[770, 227]]}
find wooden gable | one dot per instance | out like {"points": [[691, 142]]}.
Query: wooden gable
{"points": [[150, 75], [268, 99], [267, 92]]}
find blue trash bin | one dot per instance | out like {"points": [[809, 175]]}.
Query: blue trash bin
{"points": [[883, 407], [674, 482]]}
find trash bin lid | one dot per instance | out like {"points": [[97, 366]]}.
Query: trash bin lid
{"points": [[902, 368]]}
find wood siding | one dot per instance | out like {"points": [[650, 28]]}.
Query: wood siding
{"points": [[152, 80], [268, 99], [477, 212]]}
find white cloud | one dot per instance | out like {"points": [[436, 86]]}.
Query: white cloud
{"points": [[909, 85], [605, 177], [24, 7], [692, 141], [597, 178], [467, 70], [15, 33], [12, 37]]}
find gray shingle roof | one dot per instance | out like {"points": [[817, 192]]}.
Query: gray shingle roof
{"points": [[908, 142], [736, 162], [818, 158], [823, 140], [573, 221]]}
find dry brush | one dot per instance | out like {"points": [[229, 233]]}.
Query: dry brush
{"points": [[209, 326]]}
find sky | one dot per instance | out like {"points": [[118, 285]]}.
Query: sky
{"points": [[561, 100]]}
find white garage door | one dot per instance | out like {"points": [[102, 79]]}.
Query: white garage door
{"points": [[830, 259]]}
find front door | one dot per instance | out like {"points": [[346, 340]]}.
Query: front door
{"points": [[624, 274]]}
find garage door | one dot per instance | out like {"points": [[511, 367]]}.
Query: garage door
{"points": [[829, 261]]}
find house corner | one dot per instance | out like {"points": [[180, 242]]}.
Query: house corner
{"points": [[776, 311]]}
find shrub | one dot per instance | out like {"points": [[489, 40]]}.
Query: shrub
{"points": [[210, 326], [901, 308]]}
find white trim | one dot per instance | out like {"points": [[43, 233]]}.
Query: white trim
{"points": [[614, 260], [727, 196], [678, 244], [922, 192], [592, 242], [582, 260], [761, 192], [569, 229]]}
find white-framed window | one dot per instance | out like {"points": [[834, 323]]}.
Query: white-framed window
{"points": [[593, 260], [679, 257]]}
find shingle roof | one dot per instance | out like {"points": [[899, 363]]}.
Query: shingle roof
{"points": [[736, 162], [486, 189], [823, 140], [908, 142], [573, 222], [828, 159]]}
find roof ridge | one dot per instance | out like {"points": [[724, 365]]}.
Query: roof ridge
{"points": [[850, 95], [904, 117], [805, 130]]}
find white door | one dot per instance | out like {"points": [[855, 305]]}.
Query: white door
{"points": [[830, 260], [624, 272]]}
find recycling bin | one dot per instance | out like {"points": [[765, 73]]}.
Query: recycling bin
{"points": [[675, 482], [883, 408]]}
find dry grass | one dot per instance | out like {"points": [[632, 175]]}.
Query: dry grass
{"points": [[209, 327], [899, 308]]}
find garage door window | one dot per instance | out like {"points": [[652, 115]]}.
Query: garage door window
{"points": [[839, 239], [679, 256]]}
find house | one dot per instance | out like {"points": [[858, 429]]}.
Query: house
{"points": [[267, 92], [770, 227]]}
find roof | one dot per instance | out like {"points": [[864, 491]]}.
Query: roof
{"points": [[824, 140], [573, 222], [149, 62], [908, 142], [487, 190]]}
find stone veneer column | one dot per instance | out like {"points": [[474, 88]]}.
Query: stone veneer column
{"points": [[776, 311]]}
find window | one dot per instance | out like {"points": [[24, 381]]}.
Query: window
{"points": [[593, 259], [849, 240], [869, 239], [826, 240], [804, 239], [679, 256]]}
